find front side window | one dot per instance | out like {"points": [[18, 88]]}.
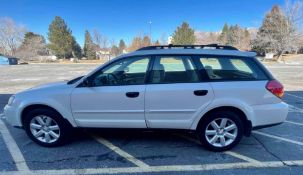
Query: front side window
{"points": [[228, 68], [174, 69], [129, 71]]}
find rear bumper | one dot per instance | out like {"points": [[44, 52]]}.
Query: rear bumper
{"points": [[269, 115]]}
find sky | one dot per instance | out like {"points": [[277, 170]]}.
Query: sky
{"points": [[124, 19]]}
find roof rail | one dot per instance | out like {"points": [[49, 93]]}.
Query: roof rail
{"points": [[171, 46]]}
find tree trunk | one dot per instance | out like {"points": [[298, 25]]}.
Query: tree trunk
{"points": [[280, 57]]}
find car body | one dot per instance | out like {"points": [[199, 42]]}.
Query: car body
{"points": [[168, 87]]}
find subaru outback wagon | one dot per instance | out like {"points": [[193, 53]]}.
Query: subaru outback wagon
{"points": [[218, 91]]}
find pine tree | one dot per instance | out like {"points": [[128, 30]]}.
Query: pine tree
{"points": [[224, 34], [33, 46], [34, 43], [184, 35], [60, 38], [77, 51], [236, 36], [122, 46], [89, 47], [114, 51], [157, 43]]}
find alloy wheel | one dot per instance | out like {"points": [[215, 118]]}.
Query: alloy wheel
{"points": [[45, 129], [221, 132]]}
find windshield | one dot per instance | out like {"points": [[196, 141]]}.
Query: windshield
{"points": [[74, 80]]}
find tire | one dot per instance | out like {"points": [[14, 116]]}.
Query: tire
{"points": [[50, 128], [211, 135]]}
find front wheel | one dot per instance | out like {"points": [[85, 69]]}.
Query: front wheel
{"points": [[46, 127], [220, 131]]}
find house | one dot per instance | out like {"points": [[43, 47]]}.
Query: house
{"points": [[4, 60], [269, 56], [103, 54]]}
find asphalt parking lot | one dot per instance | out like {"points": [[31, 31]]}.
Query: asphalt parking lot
{"points": [[276, 150]]}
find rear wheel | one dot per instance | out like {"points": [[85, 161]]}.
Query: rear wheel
{"points": [[220, 131], [46, 127]]}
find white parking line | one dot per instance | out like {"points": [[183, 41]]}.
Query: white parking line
{"points": [[169, 168], [294, 95], [239, 156], [295, 123], [13, 148], [231, 153], [295, 109], [278, 138], [119, 151]]}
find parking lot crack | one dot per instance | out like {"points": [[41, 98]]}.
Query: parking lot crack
{"points": [[268, 151], [274, 155], [63, 159]]}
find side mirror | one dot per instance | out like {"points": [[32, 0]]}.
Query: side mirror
{"points": [[87, 82]]}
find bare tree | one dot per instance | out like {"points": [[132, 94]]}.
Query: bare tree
{"points": [[206, 37], [100, 40], [137, 42], [146, 41], [97, 38], [294, 14], [163, 39], [11, 36], [104, 42], [281, 30]]}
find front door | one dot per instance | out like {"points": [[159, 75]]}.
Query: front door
{"points": [[115, 97]]}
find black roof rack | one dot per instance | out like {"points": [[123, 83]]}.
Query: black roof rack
{"points": [[171, 46]]}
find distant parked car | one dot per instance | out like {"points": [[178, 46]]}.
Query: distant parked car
{"points": [[218, 91], [8, 60]]}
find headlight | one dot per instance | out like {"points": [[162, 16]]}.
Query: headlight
{"points": [[11, 100]]}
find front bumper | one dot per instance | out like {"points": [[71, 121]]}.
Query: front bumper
{"points": [[11, 116]]}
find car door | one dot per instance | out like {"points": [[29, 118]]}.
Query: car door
{"points": [[175, 96], [115, 97]]}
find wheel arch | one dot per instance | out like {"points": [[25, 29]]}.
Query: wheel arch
{"points": [[28, 108], [246, 122]]}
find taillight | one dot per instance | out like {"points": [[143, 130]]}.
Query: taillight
{"points": [[276, 88]]}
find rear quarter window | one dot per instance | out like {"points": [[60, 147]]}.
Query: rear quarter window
{"points": [[232, 68]]}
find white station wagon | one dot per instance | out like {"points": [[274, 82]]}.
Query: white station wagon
{"points": [[218, 91]]}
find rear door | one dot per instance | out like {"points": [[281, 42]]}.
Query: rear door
{"points": [[175, 95]]}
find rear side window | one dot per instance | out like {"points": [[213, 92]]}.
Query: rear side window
{"points": [[174, 69], [228, 68]]}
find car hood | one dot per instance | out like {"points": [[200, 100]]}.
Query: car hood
{"points": [[49, 87]]}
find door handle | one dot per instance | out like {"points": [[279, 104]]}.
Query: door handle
{"points": [[132, 94], [200, 92]]}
